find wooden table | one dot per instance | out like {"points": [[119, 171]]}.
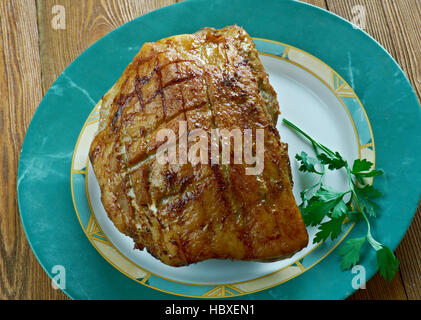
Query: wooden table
{"points": [[33, 54]]}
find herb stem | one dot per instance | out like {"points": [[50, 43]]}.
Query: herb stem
{"points": [[314, 142], [376, 245], [327, 202]]}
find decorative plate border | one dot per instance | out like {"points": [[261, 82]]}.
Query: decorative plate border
{"points": [[81, 201]]}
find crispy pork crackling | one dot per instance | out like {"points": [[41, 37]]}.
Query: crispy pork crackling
{"points": [[184, 213]]}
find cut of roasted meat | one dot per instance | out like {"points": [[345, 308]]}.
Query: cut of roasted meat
{"points": [[184, 213]]}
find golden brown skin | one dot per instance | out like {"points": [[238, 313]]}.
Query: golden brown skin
{"points": [[183, 214]]}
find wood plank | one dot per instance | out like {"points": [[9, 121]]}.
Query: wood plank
{"points": [[86, 22], [409, 254], [91, 20], [376, 20], [404, 22], [396, 24], [20, 87], [377, 288], [318, 3], [405, 29]]}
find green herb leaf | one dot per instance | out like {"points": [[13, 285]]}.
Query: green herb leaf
{"points": [[307, 163], [339, 210], [364, 201], [354, 215], [316, 210], [370, 192], [325, 202], [320, 202], [387, 263], [334, 163], [326, 193], [350, 252], [332, 228], [372, 173], [361, 165]]}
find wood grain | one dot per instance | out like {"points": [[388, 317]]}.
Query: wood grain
{"points": [[404, 22], [86, 22], [33, 54], [409, 254], [20, 88], [318, 3], [396, 25], [22, 62]]}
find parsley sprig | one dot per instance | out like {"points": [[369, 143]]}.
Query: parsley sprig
{"points": [[329, 209]]}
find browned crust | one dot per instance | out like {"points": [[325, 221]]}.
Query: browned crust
{"points": [[180, 213]]}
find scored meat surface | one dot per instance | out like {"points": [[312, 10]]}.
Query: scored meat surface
{"points": [[184, 213]]}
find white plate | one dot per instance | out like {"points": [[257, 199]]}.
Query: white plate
{"points": [[307, 102]]}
